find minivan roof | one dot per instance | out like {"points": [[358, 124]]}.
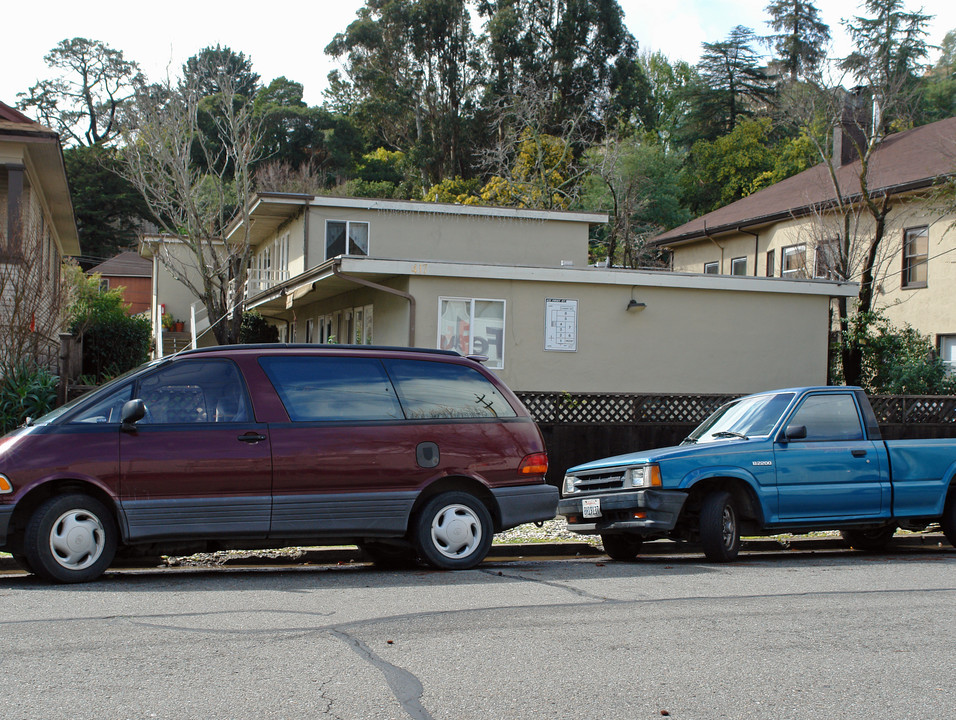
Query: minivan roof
{"points": [[312, 346]]}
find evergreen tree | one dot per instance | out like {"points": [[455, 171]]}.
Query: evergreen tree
{"points": [[801, 39]]}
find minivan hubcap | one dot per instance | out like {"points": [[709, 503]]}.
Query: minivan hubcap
{"points": [[456, 531], [77, 539]]}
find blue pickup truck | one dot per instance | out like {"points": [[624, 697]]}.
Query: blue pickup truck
{"points": [[793, 460]]}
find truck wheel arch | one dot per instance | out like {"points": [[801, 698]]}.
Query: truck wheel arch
{"points": [[744, 496]]}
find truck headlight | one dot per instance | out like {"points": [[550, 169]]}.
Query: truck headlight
{"points": [[644, 476], [569, 485]]}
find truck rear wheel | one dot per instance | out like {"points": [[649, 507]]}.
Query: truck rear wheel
{"points": [[622, 547], [719, 531]]}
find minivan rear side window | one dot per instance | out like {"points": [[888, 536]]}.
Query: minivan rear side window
{"points": [[315, 389], [445, 390]]}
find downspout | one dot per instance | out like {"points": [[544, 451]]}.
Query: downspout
{"points": [[305, 240], [720, 269], [756, 237], [336, 264]]}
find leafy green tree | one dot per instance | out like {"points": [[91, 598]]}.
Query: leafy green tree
{"points": [[672, 93], [938, 95], [256, 329], [896, 360], [734, 85], [412, 72], [84, 103], [636, 181], [889, 47], [719, 172], [113, 341], [109, 211], [801, 37], [27, 390], [204, 72], [580, 49]]}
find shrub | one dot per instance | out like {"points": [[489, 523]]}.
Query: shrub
{"points": [[26, 390], [256, 329]]}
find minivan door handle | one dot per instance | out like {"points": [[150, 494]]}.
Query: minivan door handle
{"points": [[251, 437], [859, 453]]}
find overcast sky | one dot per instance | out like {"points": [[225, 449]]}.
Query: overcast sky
{"points": [[289, 38]]}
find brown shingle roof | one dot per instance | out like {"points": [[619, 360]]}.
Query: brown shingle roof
{"points": [[904, 161], [126, 264]]}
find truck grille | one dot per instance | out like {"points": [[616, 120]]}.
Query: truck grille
{"points": [[605, 479]]}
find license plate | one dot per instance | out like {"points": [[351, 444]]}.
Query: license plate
{"points": [[591, 507]]}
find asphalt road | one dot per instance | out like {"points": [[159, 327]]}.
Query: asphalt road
{"points": [[774, 635]]}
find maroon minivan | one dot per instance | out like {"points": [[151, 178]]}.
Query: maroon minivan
{"points": [[406, 452]]}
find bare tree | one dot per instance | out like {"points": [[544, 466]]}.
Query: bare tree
{"points": [[192, 158], [31, 298]]}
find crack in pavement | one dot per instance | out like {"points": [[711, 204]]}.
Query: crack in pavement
{"points": [[549, 583], [405, 686]]}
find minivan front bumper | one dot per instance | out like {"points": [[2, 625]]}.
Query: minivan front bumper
{"points": [[659, 510]]}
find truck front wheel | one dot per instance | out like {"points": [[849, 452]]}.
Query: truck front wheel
{"points": [[622, 547], [719, 531]]}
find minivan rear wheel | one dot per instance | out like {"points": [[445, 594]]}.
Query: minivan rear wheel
{"points": [[71, 538], [453, 531]]}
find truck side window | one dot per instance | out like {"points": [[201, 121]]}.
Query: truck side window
{"points": [[829, 417]]}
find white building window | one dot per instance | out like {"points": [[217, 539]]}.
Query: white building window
{"points": [[473, 326], [345, 237], [711, 268], [738, 266], [310, 331], [915, 257], [270, 266], [362, 325], [793, 261], [947, 352]]}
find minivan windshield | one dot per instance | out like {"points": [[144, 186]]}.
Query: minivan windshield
{"points": [[747, 417], [95, 395]]}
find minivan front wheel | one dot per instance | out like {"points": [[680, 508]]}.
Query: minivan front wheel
{"points": [[453, 531], [71, 538]]}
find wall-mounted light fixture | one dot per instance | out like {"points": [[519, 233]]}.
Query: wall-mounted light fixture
{"points": [[635, 305]]}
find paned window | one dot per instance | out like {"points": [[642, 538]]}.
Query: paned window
{"points": [[793, 261], [711, 268], [771, 263], [345, 238], [915, 257], [947, 352], [826, 260], [738, 266], [473, 327]]}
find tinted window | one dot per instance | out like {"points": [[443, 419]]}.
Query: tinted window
{"points": [[106, 410], [195, 391], [829, 417], [443, 390], [332, 388]]}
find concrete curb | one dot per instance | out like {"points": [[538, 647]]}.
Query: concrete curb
{"points": [[347, 555]]}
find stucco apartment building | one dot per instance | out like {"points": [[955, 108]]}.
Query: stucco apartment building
{"points": [[514, 285], [788, 230], [37, 230]]}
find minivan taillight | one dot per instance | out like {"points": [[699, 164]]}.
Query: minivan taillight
{"points": [[534, 464]]}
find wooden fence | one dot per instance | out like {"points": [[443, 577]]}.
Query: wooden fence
{"points": [[579, 427]]}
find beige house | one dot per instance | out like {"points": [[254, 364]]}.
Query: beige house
{"points": [[789, 230], [37, 230], [514, 285]]}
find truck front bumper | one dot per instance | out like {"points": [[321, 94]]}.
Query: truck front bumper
{"points": [[647, 512]]}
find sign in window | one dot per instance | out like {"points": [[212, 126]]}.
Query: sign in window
{"points": [[473, 327]]}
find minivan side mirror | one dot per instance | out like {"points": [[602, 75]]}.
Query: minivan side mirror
{"points": [[133, 411], [796, 432]]}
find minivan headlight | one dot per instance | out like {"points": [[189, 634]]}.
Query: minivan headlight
{"points": [[569, 485], [5, 485], [644, 476]]}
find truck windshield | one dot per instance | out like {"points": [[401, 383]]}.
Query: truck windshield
{"points": [[747, 417]]}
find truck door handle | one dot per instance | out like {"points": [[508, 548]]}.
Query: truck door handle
{"points": [[859, 453], [251, 437]]}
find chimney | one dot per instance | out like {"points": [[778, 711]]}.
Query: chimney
{"points": [[851, 132]]}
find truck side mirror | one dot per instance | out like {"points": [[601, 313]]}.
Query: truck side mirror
{"points": [[133, 411], [796, 432]]}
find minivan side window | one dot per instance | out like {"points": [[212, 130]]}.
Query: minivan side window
{"points": [[445, 390], [315, 389], [195, 391], [829, 417], [106, 410]]}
